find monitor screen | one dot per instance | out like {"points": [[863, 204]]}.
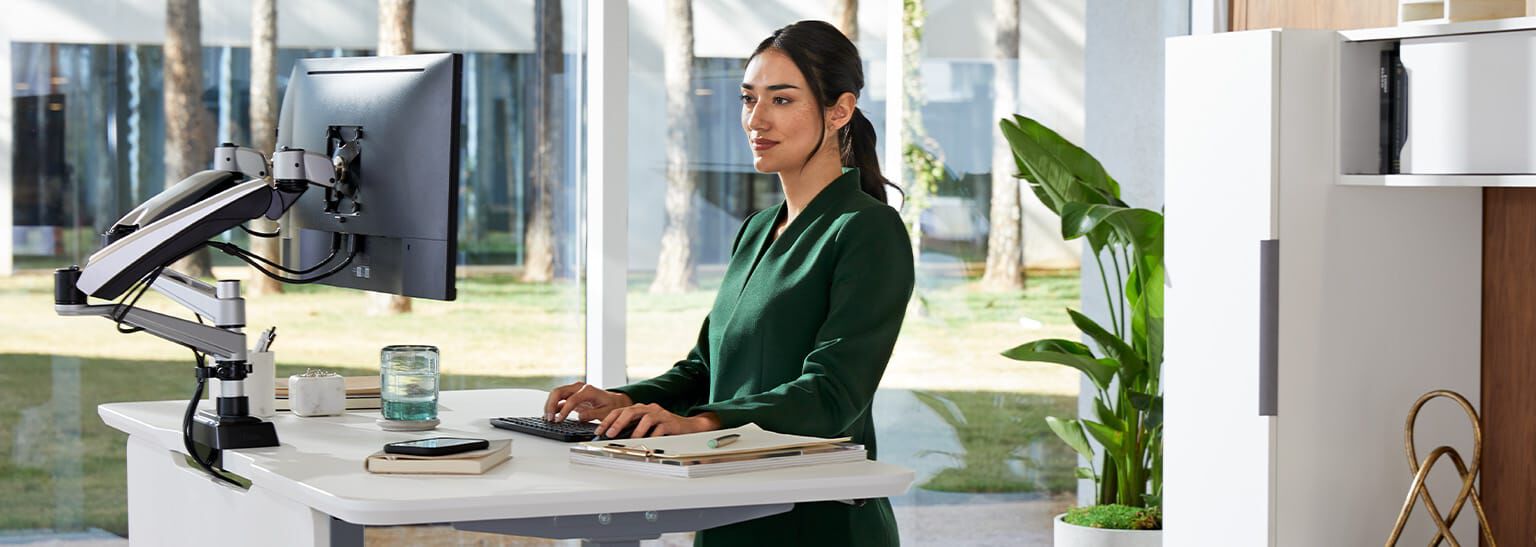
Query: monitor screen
{"points": [[404, 220]]}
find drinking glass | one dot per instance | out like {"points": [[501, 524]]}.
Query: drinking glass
{"points": [[408, 378]]}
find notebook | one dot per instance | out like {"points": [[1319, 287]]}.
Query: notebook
{"points": [[474, 462], [690, 455]]}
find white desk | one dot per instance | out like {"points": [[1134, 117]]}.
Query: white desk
{"points": [[313, 490]]}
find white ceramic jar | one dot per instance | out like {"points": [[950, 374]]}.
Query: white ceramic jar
{"points": [[317, 394]]}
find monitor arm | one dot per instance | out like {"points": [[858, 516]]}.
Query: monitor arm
{"points": [[177, 222]]}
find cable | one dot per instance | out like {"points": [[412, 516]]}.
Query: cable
{"points": [[237, 252], [122, 310], [186, 423], [256, 233], [246, 256]]}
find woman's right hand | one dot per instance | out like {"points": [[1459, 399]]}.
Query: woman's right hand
{"points": [[591, 402]]}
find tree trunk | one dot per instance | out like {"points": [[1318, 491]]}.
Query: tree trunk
{"points": [[396, 37], [187, 144], [846, 13], [264, 125], [674, 267], [1005, 242], [549, 54]]}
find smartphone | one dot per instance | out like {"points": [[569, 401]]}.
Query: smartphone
{"points": [[436, 446]]}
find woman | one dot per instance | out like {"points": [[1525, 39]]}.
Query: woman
{"points": [[808, 312]]}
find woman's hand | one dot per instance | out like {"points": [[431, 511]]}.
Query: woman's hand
{"points": [[654, 421], [590, 401]]}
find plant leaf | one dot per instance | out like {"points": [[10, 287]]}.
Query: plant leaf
{"points": [[1071, 432], [1131, 363], [1101, 371], [1112, 439], [1107, 416], [1086, 473], [1155, 415], [1140, 401]]}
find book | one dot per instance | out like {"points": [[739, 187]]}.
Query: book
{"points": [[353, 403], [1384, 78], [690, 455], [1399, 111], [474, 462]]}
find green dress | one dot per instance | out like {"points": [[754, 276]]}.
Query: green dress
{"points": [[796, 342]]}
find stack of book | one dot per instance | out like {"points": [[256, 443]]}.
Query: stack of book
{"points": [[362, 393], [688, 456], [474, 462]]}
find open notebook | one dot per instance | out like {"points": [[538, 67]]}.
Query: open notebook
{"points": [[753, 439]]}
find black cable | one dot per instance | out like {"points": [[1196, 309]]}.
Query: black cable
{"points": [[256, 233], [237, 252], [245, 255], [186, 424], [122, 309]]}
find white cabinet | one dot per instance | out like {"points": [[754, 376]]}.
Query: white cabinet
{"points": [[1285, 414]]}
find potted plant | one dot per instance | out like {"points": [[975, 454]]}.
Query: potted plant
{"points": [[1125, 363]]}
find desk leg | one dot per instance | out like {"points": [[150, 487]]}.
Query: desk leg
{"points": [[345, 534], [626, 529]]}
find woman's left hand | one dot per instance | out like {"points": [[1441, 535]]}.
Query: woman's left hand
{"points": [[654, 421]]}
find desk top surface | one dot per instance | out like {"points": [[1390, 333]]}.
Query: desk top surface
{"points": [[320, 464]]}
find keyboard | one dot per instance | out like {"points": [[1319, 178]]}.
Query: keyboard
{"points": [[569, 431]]}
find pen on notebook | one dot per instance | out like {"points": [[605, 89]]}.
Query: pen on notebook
{"points": [[723, 440]]}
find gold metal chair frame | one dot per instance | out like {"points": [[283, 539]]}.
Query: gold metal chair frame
{"points": [[1468, 491]]}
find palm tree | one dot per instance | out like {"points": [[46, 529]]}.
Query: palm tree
{"points": [[846, 13], [1005, 242], [539, 240], [188, 145], [264, 122], [396, 37], [674, 266]]}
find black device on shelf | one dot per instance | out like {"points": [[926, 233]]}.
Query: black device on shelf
{"points": [[569, 431]]}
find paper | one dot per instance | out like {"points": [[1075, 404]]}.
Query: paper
{"points": [[753, 439]]}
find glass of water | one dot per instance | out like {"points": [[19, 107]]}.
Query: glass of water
{"points": [[408, 381]]}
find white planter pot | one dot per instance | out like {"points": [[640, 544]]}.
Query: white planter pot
{"points": [[1072, 535]]}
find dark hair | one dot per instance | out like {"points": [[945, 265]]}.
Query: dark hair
{"points": [[831, 65]]}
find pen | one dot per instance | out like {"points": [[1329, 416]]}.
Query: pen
{"points": [[723, 440], [266, 339]]}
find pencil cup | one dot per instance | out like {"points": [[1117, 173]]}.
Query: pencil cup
{"points": [[259, 386]]}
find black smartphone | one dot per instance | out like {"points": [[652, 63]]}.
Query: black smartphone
{"points": [[436, 446]]}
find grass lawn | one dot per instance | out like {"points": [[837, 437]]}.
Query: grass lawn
{"points": [[63, 469]]}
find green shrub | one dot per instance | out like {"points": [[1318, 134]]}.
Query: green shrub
{"points": [[1116, 517]]}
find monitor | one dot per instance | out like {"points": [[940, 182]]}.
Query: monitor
{"points": [[403, 222]]}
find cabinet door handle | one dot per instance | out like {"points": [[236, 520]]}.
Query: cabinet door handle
{"points": [[1269, 326]]}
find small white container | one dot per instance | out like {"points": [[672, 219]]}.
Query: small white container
{"points": [[259, 386], [317, 395]]}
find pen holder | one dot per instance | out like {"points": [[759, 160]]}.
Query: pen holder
{"points": [[260, 390], [323, 394], [259, 386]]}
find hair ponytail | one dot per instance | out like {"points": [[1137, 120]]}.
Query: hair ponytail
{"points": [[831, 65], [857, 143]]}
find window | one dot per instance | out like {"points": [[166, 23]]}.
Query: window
{"points": [[88, 122]]}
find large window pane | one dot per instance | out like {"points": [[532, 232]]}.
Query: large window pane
{"points": [[89, 134], [970, 422]]}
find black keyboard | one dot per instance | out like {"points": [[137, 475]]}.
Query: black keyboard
{"points": [[569, 431]]}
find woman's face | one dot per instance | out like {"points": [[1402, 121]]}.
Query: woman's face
{"points": [[778, 113]]}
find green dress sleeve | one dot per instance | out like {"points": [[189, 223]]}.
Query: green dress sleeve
{"points": [[871, 283], [687, 383]]}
